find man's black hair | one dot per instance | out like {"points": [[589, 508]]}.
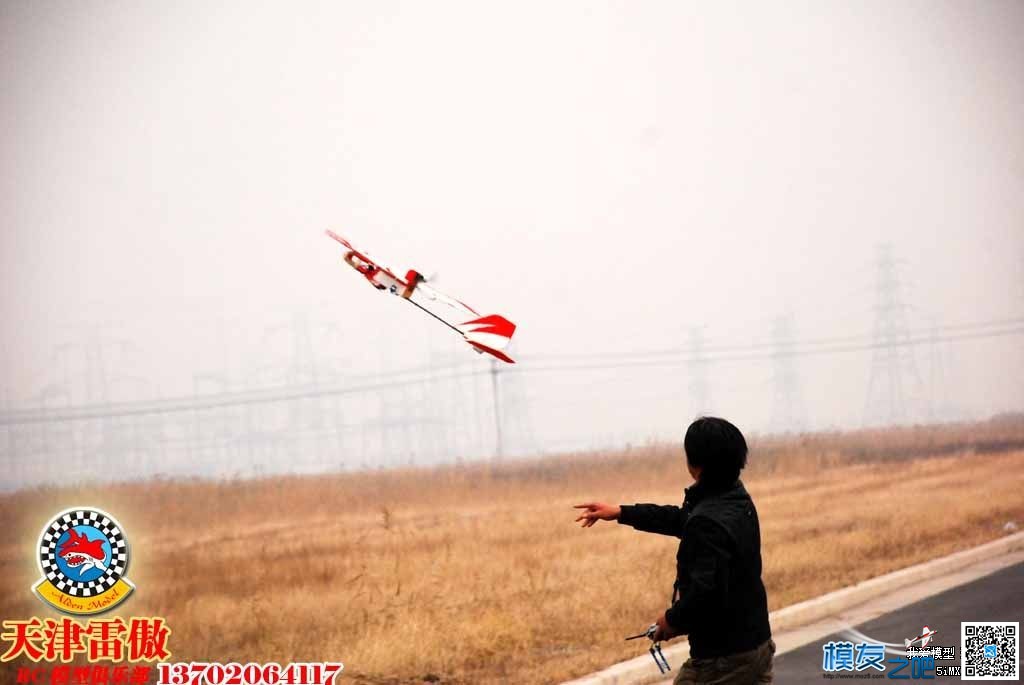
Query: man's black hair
{"points": [[718, 448]]}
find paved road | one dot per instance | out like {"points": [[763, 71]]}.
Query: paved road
{"points": [[997, 597]]}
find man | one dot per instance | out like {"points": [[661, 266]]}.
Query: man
{"points": [[718, 599]]}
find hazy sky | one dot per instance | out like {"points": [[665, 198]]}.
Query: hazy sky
{"points": [[606, 175]]}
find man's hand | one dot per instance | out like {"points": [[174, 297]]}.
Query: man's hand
{"points": [[664, 631], [597, 511]]}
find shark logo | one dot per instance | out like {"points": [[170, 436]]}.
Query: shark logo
{"points": [[83, 556], [82, 553]]}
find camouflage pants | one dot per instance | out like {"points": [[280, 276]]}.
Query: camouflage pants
{"points": [[745, 668]]}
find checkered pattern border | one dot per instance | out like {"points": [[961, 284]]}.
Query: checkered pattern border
{"points": [[98, 521]]}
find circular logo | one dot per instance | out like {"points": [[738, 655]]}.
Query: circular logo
{"points": [[83, 556]]}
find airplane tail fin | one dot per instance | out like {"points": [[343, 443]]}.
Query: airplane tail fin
{"points": [[481, 348], [906, 642], [490, 334]]}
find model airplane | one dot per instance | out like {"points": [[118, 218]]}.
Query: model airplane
{"points": [[924, 638], [490, 334]]}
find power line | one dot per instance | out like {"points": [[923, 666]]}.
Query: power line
{"points": [[200, 403], [288, 394], [796, 352], [772, 344]]}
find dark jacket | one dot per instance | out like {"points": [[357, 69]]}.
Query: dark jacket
{"points": [[718, 599]]}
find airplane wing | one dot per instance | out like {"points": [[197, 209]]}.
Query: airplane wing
{"points": [[363, 256], [491, 333]]}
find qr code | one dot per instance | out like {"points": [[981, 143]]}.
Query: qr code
{"points": [[990, 651]]}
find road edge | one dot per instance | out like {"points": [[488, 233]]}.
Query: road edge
{"points": [[641, 670]]}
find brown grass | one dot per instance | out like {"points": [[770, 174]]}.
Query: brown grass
{"points": [[478, 574]]}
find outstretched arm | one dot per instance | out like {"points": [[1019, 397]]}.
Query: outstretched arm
{"points": [[664, 519]]}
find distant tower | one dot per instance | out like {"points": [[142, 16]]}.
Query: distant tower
{"points": [[700, 394], [894, 383], [91, 360], [788, 407], [499, 446], [941, 404], [517, 427], [394, 423]]}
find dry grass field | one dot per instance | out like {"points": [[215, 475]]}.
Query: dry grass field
{"points": [[479, 575]]}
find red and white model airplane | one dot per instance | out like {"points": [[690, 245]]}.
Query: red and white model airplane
{"points": [[490, 334], [924, 638]]}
